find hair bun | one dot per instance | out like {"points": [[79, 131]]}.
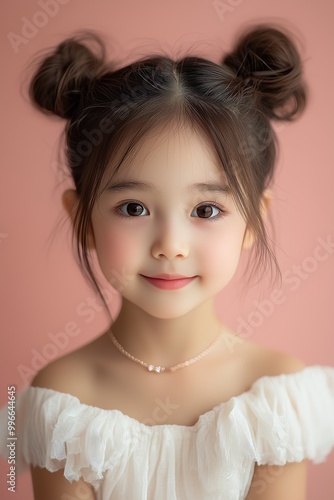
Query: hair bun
{"points": [[268, 61], [63, 76]]}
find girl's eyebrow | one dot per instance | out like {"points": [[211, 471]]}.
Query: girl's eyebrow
{"points": [[146, 186], [211, 187], [130, 185]]}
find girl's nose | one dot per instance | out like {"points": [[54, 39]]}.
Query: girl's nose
{"points": [[170, 241]]}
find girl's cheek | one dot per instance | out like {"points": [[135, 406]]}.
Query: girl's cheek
{"points": [[118, 251], [220, 252]]}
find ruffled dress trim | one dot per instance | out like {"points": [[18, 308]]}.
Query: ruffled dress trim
{"points": [[280, 419]]}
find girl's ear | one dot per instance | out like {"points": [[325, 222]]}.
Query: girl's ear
{"points": [[266, 199], [249, 238], [70, 200]]}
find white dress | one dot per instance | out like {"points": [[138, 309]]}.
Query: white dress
{"points": [[280, 419]]}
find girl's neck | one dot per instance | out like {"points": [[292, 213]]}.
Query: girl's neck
{"points": [[166, 342]]}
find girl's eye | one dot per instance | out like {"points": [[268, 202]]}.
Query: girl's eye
{"points": [[132, 209], [207, 211]]}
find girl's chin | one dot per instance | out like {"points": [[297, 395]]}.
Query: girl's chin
{"points": [[164, 311], [166, 314]]}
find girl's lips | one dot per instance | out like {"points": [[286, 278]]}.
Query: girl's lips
{"points": [[169, 281]]}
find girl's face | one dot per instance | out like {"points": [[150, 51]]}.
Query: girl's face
{"points": [[168, 212]]}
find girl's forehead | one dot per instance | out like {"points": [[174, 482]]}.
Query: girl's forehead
{"points": [[179, 153]]}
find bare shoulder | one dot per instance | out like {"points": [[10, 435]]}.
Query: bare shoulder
{"points": [[263, 361], [279, 362], [72, 373], [65, 374]]}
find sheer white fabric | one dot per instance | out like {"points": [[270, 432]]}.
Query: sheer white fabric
{"points": [[280, 419]]}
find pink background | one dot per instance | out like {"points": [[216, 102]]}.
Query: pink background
{"points": [[41, 286]]}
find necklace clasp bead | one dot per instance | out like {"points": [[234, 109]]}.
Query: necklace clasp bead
{"points": [[156, 369]]}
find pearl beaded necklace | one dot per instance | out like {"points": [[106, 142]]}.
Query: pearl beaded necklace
{"points": [[160, 369]]}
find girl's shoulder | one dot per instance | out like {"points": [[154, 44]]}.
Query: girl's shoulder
{"points": [[272, 362], [257, 361], [73, 373]]}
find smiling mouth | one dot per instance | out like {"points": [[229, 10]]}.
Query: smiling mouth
{"points": [[169, 281]]}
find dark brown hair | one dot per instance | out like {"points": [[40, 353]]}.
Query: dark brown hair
{"points": [[109, 111]]}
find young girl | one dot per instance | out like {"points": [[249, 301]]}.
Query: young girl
{"points": [[172, 162]]}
